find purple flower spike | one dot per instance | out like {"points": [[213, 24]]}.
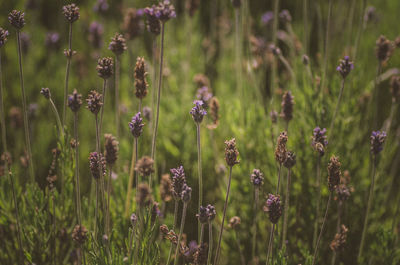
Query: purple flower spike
{"points": [[319, 140], [267, 18], [136, 125], [198, 112], [204, 95], [273, 207], [178, 181], [377, 140], [345, 66], [257, 178]]}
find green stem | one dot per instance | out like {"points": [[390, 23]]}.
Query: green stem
{"points": [[322, 229], [108, 200], [117, 77], [216, 259], [286, 216], [242, 259], [53, 248], [360, 29], [305, 24], [337, 229], [77, 181], [200, 173], [2, 115], [153, 146], [254, 243], [67, 74], [103, 106], [96, 214], [131, 178], [59, 125], [375, 97], [279, 178], [180, 233], [24, 109], [173, 228], [201, 234], [318, 200], [370, 199], [336, 108], [210, 243], [270, 244], [326, 45]]}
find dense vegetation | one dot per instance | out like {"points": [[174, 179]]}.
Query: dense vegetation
{"points": [[244, 132]]}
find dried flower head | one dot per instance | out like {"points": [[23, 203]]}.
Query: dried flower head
{"points": [[17, 19], [133, 25], [136, 125], [290, 159], [147, 113], [377, 140], [74, 101], [280, 150], [97, 165], [140, 78], [395, 88], [305, 59], [214, 113], [117, 44], [203, 214], [153, 23], [45, 92], [319, 140], [287, 106], [285, 16], [71, 12], [133, 219], [143, 197], [144, 166], [3, 36], [94, 101], [211, 213], [384, 49], [178, 181], [79, 234], [234, 222], [334, 173], [273, 207], [95, 35], [200, 256], [198, 112], [186, 193], [111, 149], [257, 178], [166, 188], [345, 66], [201, 80], [231, 153], [105, 67], [204, 94], [340, 239], [165, 11], [155, 212], [274, 116], [169, 234], [343, 192]]}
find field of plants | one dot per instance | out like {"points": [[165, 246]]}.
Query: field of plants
{"points": [[200, 132]]}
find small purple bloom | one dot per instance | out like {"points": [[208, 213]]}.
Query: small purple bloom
{"points": [[101, 6], [95, 36], [319, 140], [204, 95], [198, 112], [345, 66], [3, 36], [377, 140], [52, 40], [178, 181], [273, 207], [257, 178], [136, 125], [267, 17]]}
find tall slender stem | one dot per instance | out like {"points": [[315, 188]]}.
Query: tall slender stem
{"points": [[69, 55], [305, 24], [242, 259], [104, 105], [271, 243], [326, 45], [53, 247], [360, 28], [254, 243], [279, 178], [210, 242], [216, 260], [200, 173], [336, 108], [153, 146], [2, 115], [173, 228], [131, 177], [96, 212], [117, 77], [59, 125], [340, 205], [370, 199], [286, 217], [180, 232], [318, 200], [375, 97], [108, 200], [238, 59], [322, 229], [201, 234], [25, 110], [77, 181]]}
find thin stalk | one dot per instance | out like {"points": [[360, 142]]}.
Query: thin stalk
{"points": [[322, 229], [180, 232], [140, 106], [223, 218], [131, 178], [326, 45], [286, 211], [77, 181], [254, 241], [153, 78], [108, 200], [53, 254], [360, 29], [242, 259], [279, 178], [201, 234], [153, 146], [101, 180], [10, 175], [173, 228], [2, 115], [305, 24], [200, 173], [318, 199], [104, 104], [238, 57], [375, 97], [288, 68], [337, 229], [96, 212], [370, 199], [24, 109], [274, 41], [67, 74], [210, 243], [131, 242], [390, 120], [59, 125], [117, 77], [270, 243], [336, 108]]}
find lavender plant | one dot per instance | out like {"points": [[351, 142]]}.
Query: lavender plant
{"points": [[273, 207]]}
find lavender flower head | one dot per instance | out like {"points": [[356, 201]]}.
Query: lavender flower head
{"points": [[186, 193], [45, 92], [345, 66], [319, 140], [211, 212], [257, 178], [95, 37], [147, 113], [17, 19], [178, 181], [287, 106], [290, 159], [101, 6], [273, 207], [94, 101], [267, 17], [153, 23], [117, 44], [231, 152], [74, 101], [204, 94], [377, 140], [52, 40], [133, 219], [136, 125], [285, 16], [203, 214], [105, 67], [71, 12], [198, 112], [165, 11], [97, 164], [3, 36]]}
